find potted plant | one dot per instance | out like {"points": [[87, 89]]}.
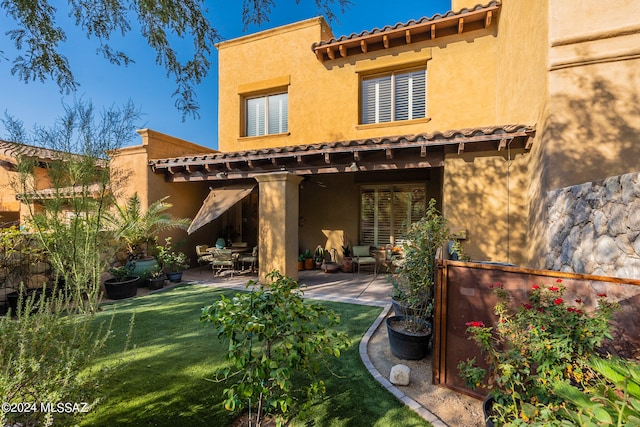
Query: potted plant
{"points": [[136, 231], [122, 285], [171, 261], [309, 264], [413, 286], [347, 266], [300, 262], [532, 347], [156, 278], [318, 256]]}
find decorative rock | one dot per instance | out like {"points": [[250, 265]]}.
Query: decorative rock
{"points": [[400, 375], [594, 227]]}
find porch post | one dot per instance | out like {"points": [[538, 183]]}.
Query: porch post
{"points": [[278, 224]]}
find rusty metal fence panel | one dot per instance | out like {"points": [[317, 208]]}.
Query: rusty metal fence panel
{"points": [[463, 294]]}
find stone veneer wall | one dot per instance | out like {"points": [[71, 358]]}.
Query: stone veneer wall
{"points": [[594, 228]]}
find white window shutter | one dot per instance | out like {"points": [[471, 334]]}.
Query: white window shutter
{"points": [[255, 116], [278, 113]]}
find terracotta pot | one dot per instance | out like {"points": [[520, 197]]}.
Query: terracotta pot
{"points": [[347, 266], [309, 264], [300, 265]]}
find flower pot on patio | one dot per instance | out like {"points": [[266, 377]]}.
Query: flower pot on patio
{"points": [[174, 276], [309, 264], [156, 282], [120, 289], [408, 344], [347, 266], [142, 268]]}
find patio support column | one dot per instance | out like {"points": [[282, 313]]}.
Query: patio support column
{"points": [[278, 224]]}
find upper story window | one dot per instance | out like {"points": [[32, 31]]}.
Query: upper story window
{"points": [[394, 96], [267, 115]]}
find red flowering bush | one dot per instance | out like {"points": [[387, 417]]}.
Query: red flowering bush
{"points": [[533, 345]]}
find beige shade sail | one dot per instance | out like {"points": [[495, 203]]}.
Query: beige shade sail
{"points": [[218, 202]]}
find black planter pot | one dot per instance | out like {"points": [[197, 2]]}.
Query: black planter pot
{"points": [[486, 409], [36, 294], [124, 289], [175, 276], [407, 345], [400, 309], [155, 283]]}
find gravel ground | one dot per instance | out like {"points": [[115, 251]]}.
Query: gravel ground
{"points": [[454, 409]]}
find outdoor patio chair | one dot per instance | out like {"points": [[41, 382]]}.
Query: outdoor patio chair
{"points": [[222, 259], [204, 256], [362, 256], [252, 259]]}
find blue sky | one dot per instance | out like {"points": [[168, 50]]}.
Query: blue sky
{"points": [[146, 84]]}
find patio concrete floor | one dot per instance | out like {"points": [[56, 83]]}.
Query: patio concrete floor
{"points": [[438, 405]]}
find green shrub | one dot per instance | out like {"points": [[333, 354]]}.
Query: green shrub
{"points": [[613, 399], [43, 356], [532, 346], [276, 341]]}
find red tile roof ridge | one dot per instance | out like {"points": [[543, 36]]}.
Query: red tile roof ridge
{"points": [[407, 24]]}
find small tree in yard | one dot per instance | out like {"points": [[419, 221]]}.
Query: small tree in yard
{"points": [[273, 334], [48, 343]]}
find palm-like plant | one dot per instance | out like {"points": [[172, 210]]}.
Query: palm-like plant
{"points": [[136, 229]]}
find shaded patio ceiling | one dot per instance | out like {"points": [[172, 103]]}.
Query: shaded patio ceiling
{"points": [[372, 154]]}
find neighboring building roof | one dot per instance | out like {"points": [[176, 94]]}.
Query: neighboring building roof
{"points": [[465, 20], [10, 151], [93, 190], [385, 153]]}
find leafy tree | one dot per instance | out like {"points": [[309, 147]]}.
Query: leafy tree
{"points": [[68, 218], [38, 36], [50, 341], [136, 229], [276, 342]]}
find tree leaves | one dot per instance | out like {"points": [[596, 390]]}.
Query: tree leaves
{"points": [[38, 37]]}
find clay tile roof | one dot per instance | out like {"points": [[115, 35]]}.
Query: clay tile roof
{"points": [[331, 157], [412, 31], [10, 151]]}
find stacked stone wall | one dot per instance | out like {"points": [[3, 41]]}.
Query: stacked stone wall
{"points": [[594, 228]]}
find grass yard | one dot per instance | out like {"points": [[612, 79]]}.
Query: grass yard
{"points": [[165, 379]]}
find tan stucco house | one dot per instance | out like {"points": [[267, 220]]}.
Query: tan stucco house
{"points": [[490, 109]]}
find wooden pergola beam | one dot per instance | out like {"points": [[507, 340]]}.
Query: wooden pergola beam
{"points": [[330, 53], [487, 19]]}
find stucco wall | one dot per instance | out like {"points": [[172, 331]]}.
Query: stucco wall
{"points": [[594, 227], [324, 97], [591, 130], [130, 173]]}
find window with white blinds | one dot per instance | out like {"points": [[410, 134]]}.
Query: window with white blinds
{"points": [[386, 212], [267, 115], [395, 96]]}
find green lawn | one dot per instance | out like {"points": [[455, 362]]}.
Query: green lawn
{"points": [[165, 379]]}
